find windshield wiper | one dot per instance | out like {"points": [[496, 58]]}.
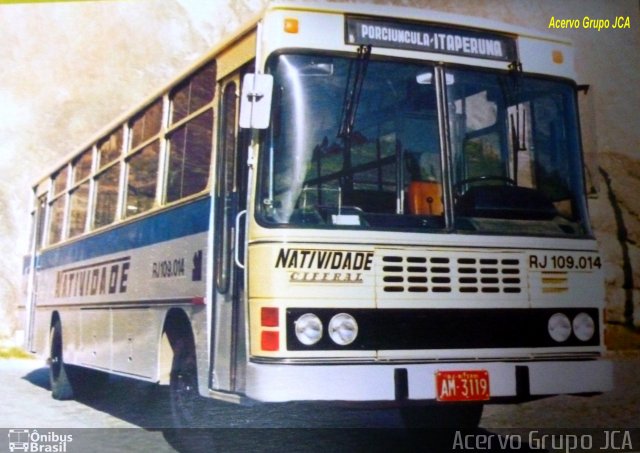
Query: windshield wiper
{"points": [[518, 134], [518, 115], [355, 79]]}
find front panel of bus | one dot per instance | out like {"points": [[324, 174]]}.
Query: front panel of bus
{"points": [[418, 217]]}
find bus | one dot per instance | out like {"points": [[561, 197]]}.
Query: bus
{"points": [[341, 203]]}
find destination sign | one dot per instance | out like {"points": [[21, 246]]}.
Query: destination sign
{"points": [[430, 38]]}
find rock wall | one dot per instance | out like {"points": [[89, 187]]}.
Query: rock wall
{"points": [[615, 215]]}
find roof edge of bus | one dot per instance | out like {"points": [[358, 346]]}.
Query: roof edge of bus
{"points": [[416, 14]]}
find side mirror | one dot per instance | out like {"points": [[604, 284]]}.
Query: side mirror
{"points": [[255, 104]]}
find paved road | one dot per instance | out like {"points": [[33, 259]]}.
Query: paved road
{"points": [[126, 406]]}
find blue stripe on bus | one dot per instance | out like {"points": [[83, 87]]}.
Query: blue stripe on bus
{"points": [[181, 221]]}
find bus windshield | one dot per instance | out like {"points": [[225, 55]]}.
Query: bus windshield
{"points": [[357, 143], [515, 154]]}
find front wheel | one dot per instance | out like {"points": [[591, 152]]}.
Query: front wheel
{"points": [[185, 400]]}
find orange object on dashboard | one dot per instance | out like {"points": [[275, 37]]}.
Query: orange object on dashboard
{"points": [[425, 198]]}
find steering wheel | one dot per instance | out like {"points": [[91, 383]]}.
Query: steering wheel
{"points": [[483, 178]]}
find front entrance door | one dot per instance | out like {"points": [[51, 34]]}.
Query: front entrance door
{"points": [[230, 205]]}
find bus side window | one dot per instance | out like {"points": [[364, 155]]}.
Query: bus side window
{"points": [[107, 184], [79, 201], [190, 142], [107, 179], [39, 221], [142, 179], [57, 204], [146, 124], [189, 157], [56, 217], [194, 93], [226, 186], [142, 164]]}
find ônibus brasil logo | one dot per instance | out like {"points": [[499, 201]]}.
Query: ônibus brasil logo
{"points": [[33, 441]]}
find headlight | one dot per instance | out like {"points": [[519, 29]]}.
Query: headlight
{"points": [[584, 327], [559, 327], [343, 329], [308, 329]]}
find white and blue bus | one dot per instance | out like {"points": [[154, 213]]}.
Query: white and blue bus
{"points": [[342, 202]]}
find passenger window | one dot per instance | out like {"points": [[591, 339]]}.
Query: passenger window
{"points": [[56, 213], [107, 184], [110, 148], [79, 202], [194, 93], [146, 124], [142, 180], [226, 184], [40, 218], [60, 181], [82, 166], [189, 157]]}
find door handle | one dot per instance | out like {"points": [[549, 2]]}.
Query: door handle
{"points": [[236, 245]]}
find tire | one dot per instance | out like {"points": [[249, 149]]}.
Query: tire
{"points": [[61, 387], [450, 416], [184, 398]]}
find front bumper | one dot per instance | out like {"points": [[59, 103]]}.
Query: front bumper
{"points": [[279, 382]]}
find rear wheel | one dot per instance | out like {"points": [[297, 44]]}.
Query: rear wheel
{"points": [[61, 388]]}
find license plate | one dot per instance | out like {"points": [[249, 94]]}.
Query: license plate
{"points": [[470, 385]]}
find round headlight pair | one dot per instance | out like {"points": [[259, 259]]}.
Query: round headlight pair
{"points": [[342, 329], [560, 327]]}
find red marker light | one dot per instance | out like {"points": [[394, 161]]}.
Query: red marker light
{"points": [[269, 317], [270, 341]]}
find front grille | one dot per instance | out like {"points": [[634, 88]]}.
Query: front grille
{"points": [[458, 272]]}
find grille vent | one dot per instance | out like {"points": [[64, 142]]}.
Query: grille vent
{"points": [[554, 282], [445, 274]]}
